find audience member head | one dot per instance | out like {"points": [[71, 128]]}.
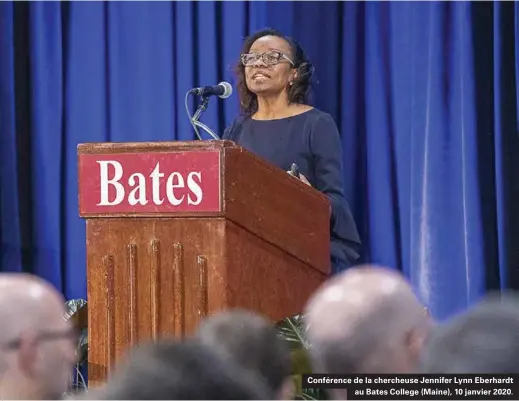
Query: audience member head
{"points": [[483, 340], [37, 345], [171, 370], [251, 342], [366, 320]]}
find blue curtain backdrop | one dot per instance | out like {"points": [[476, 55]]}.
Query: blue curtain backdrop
{"points": [[425, 95]]}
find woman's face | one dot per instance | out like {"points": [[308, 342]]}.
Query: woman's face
{"points": [[268, 66]]}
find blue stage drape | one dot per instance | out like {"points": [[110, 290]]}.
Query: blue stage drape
{"points": [[425, 96]]}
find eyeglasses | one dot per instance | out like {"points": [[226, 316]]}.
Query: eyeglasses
{"points": [[70, 334], [269, 58]]}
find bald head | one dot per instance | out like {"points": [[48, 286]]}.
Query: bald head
{"points": [[37, 346], [25, 302], [365, 320]]}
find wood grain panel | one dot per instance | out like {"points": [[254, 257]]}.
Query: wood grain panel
{"points": [[262, 277], [133, 316], [202, 288], [179, 290], [156, 315], [146, 147], [182, 243], [278, 208]]}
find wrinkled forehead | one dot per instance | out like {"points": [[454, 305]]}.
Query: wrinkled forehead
{"points": [[268, 43]]}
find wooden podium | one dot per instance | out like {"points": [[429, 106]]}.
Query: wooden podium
{"points": [[178, 230]]}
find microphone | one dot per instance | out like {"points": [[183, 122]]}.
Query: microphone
{"points": [[222, 90]]}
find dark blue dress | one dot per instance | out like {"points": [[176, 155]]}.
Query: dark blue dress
{"points": [[311, 140]]}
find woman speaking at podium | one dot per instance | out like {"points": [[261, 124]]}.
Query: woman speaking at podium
{"points": [[278, 125]]}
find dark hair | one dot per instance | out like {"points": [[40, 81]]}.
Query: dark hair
{"points": [[175, 370], [251, 342], [482, 340], [297, 93]]}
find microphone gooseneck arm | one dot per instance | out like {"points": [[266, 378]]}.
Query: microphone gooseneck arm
{"points": [[201, 108], [189, 115], [198, 113], [222, 90], [207, 129]]}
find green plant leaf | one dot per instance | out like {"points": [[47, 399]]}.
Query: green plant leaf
{"points": [[301, 364], [292, 331], [298, 384], [313, 394], [306, 396], [83, 347], [73, 306], [77, 313]]}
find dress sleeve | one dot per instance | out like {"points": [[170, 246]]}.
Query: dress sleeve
{"points": [[326, 149]]}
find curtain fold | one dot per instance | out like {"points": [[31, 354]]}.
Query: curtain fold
{"points": [[506, 140], [425, 95], [10, 235]]}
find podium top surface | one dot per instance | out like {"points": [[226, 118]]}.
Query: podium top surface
{"points": [[168, 146]]}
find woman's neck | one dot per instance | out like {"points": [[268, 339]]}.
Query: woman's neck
{"points": [[270, 108]]}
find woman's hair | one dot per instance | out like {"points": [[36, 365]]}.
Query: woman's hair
{"points": [[297, 93]]}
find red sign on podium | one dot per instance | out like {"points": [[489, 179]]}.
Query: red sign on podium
{"points": [[149, 182]]}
